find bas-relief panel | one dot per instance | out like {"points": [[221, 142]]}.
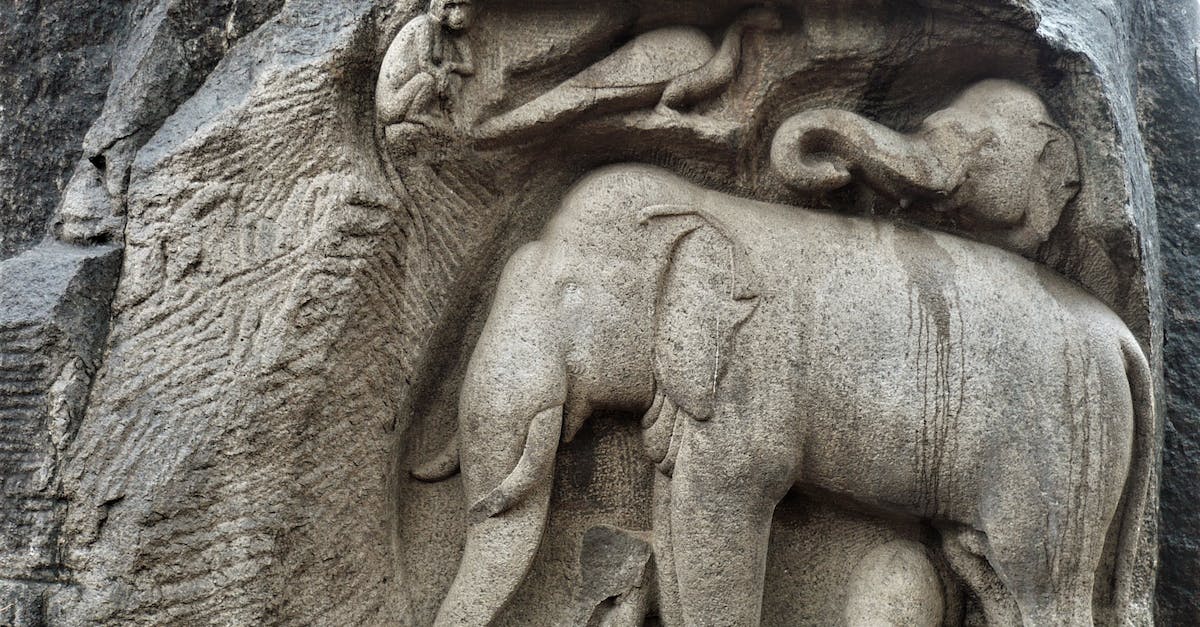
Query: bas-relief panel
{"points": [[802, 320]]}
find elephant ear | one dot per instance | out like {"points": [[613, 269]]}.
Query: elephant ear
{"points": [[1058, 167], [707, 290], [1055, 182]]}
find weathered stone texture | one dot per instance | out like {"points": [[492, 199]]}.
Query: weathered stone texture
{"points": [[297, 302], [1169, 92], [52, 329], [261, 259], [54, 73]]}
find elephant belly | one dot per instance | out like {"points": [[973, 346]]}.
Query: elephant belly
{"points": [[932, 433]]}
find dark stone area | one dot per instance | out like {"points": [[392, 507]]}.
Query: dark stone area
{"points": [[1170, 97], [66, 65], [54, 73]]}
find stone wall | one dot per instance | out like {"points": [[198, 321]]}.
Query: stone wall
{"points": [[1168, 88], [288, 330]]}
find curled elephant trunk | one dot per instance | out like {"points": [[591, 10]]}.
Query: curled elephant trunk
{"points": [[824, 149], [505, 529]]}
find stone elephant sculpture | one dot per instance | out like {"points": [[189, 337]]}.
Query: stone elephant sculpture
{"points": [[769, 348], [993, 164]]}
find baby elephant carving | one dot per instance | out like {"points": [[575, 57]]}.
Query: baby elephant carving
{"points": [[773, 347], [993, 162]]}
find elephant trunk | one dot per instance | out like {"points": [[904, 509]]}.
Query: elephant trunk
{"points": [[505, 527], [824, 149], [510, 422]]}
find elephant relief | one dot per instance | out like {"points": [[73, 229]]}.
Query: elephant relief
{"points": [[993, 164], [770, 348]]}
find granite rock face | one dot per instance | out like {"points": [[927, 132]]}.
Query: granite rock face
{"points": [[54, 72], [1169, 89], [268, 322], [52, 333]]}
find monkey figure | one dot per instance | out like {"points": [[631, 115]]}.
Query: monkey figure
{"points": [[425, 64]]}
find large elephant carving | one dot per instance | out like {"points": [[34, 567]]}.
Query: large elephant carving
{"points": [[769, 347]]}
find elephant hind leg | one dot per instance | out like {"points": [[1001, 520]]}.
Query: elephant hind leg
{"points": [[964, 550], [1050, 580], [1046, 532]]}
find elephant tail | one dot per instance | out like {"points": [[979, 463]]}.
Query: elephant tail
{"points": [[1124, 606]]}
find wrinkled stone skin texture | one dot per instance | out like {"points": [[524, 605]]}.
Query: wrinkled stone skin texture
{"points": [[237, 449]]}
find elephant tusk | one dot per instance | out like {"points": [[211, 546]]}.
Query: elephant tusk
{"points": [[441, 467], [657, 426], [541, 446], [667, 464]]}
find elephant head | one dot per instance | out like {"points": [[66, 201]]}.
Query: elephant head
{"points": [[615, 306], [993, 163]]}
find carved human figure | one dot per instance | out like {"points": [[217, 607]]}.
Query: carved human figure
{"points": [[993, 163], [425, 65], [772, 347]]}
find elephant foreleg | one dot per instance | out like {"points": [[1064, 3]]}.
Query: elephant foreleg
{"points": [[720, 526], [668, 585]]}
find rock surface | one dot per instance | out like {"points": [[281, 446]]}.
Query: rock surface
{"points": [[52, 331], [298, 299], [54, 73], [1170, 96]]}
